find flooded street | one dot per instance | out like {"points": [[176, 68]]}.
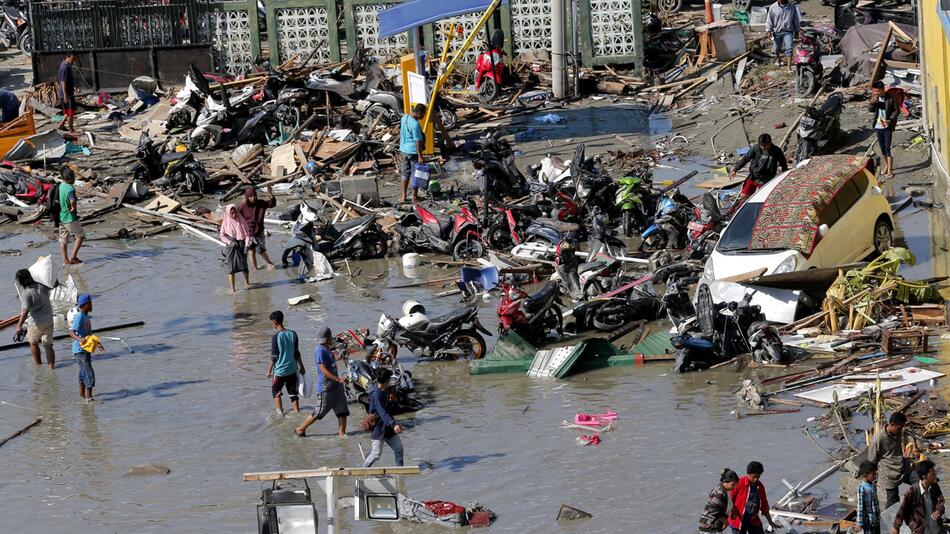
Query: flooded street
{"points": [[194, 397]]}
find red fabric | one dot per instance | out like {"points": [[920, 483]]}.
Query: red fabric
{"points": [[739, 495], [441, 508], [69, 112], [749, 187]]}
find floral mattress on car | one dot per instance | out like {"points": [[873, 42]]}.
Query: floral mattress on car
{"points": [[789, 216]]}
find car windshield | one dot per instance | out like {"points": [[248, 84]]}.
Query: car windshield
{"points": [[739, 233]]}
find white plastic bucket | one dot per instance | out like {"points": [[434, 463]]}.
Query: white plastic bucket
{"points": [[411, 260], [717, 12]]}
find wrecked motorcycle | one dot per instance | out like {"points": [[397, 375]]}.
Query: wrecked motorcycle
{"points": [[360, 238], [819, 127], [426, 230], [530, 316], [400, 391], [168, 169], [449, 337]]}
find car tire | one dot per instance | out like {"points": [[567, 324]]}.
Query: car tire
{"points": [[883, 238]]}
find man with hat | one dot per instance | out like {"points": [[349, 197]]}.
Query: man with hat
{"points": [[330, 385], [80, 329]]}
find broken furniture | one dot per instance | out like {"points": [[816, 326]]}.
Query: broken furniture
{"points": [[905, 341]]}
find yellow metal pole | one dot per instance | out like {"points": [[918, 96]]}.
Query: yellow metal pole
{"points": [[449, 36], [456, 59]]}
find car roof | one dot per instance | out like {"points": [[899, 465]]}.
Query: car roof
{"points": [[793, 202]]}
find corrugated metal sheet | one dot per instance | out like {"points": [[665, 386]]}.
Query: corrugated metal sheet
{"points": [[655, 344]]}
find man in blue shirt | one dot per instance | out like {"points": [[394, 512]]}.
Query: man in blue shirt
{"points": [[331, 386], [9, 105], [82, 327], [66, 89], [285, 362], [386, 429], [411, 140]]}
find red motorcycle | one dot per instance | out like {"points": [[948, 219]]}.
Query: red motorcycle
{"points": [[490, 69], [426, 230], [530, 316]]}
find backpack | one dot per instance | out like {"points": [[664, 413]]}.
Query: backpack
{"points": [[53, 205], [900, 97]]}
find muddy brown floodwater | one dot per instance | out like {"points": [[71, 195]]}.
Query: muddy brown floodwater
{"points": [[194, 397]]}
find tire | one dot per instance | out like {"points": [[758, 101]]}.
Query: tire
{"points": [[883, 237], [705, 311], [25, 43], [741, 5], [627, 223], [487, 91], [807, 82], [499, 237], [379, 110], [468, 248], [449, 119], [609, 318], [553, 320], [669, 7], [805, 150], [373, 246], [469, 342]]}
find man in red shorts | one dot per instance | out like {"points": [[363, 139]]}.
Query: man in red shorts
{"points": [[765, 158], [66, 89]]}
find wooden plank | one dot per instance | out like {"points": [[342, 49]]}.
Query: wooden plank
{"points": [[163, 204], [881, 52], [35, 422], [331, 472], [720, 182], [744, 276]]}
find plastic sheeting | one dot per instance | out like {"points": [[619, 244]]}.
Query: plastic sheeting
{"points": [[859, 49], [409, 15]]}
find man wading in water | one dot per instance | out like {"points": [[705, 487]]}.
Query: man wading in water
{"points": [[284, 364], [332, 394], [34, 298]]}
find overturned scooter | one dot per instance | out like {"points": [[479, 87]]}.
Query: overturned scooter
{"points": [[360, 238]]}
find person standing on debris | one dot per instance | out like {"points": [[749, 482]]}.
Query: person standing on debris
{"points": [[411, 140], [236, 236], [923, 504], [70, 227], [36, 304], [869, 509], [80, 331], [285, 363], [886, 450], [782, 24], [253, 210], [331, 387], [886, 110], [715, 517], [749, 501], [66, 89], [9, 106], [766, 159], [385, 427]]}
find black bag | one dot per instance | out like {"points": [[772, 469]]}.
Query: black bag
{"points": [[53, 205]]}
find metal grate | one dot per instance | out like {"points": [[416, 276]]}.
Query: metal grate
{"points": [[231, 40], [94, 24], [468, 23]]}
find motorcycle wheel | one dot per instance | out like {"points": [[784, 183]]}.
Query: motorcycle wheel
{"points": [[627, 223], [669, 7], [25, 43], [499, 236], [468, 249], [373, 246], [468, 342], [610, 318], [449, 119], [553, 320], [805, 150], [380, 112], [807, 82], [487, 91]]}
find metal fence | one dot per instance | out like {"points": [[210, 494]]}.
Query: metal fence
{"points": [[110, 24], [609, 31]]}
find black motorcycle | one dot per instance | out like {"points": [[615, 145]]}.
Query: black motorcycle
{"points": [[177, 170], [819, 128], [495, 169], [449, 337], [15, 26], [400, 391], [359, 238]]}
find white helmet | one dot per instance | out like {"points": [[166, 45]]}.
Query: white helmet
{"points": [[413, 306]]}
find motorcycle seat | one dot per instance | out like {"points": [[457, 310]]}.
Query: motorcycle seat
{"points": [[444, 223], [352, 223], [560, 226], [442, 321], [536, 301]]}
